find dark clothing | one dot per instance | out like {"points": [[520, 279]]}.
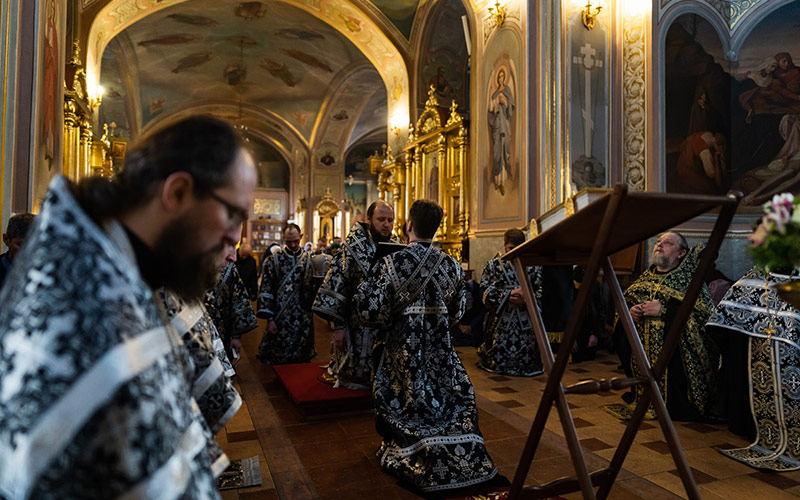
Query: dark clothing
{"points": [[473, 317], [229, 307], [149, 266], [594, 323], [5, 267], [425, 406], [248, 272], [556, 301]]}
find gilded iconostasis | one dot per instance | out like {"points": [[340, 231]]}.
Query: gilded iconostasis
{"points": [[535, 101]]}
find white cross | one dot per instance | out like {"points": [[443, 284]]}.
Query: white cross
{"points": [[589, 63]]}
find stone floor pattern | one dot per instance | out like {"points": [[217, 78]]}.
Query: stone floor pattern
{"points": [[334, 458]]}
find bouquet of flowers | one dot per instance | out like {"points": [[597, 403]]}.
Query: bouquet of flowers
{"points": [[776, 240]]}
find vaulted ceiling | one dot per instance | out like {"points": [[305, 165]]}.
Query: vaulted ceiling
{"points": [[248, 58]]}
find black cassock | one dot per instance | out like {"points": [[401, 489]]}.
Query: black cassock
{"points": [[424, 400]]}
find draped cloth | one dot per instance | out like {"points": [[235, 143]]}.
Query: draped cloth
{"points": [[424, 401], [690, 380], [285, 296], [94, 397], [211, 386], [229, 306], [752, 308], [352, 365], [509, 345]]}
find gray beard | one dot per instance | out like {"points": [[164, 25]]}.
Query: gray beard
{"points": [[663, 262]]}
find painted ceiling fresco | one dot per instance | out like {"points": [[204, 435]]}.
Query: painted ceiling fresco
{"points": [[269, 55]]}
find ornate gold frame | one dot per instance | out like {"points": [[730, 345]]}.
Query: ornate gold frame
{"points": [[433, 146]]}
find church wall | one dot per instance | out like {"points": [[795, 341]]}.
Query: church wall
{"points": [[498, 132], [9, 19], [48, 109]]}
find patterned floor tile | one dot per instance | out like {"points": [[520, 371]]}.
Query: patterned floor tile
{"points": [[504, 390], [658, 446], [511, 403], [699, 476], [594, 444], [775, 479]]}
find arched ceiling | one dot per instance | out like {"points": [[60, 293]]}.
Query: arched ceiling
{"points": [[282, 56], [275, 57]]}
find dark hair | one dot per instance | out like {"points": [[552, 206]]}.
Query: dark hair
{"points": [[425, 216], [292, 225], [202, 146], [19, 225], [374, 205], [514, 236]]}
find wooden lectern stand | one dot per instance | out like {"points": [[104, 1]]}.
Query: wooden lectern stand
{"points": [[609, 224]]}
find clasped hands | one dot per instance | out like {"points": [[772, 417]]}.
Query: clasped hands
{"points": [[650, 308], [516, 297]]}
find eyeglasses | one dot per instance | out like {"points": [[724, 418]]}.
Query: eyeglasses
{"points": [[236, 215]]}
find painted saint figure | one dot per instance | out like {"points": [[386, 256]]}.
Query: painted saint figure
{"points": [[501, 111]]}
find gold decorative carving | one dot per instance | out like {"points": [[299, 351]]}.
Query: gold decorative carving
{"points": [[78, 144], [634, 112], [569, 207], [455, 118], [434, 165], [429, 120]]}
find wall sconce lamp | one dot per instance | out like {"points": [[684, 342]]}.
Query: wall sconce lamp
{"points": [[588, 15], [97, 99], [498, 13]]}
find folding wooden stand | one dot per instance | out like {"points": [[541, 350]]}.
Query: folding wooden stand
{"points": [[606, 226]]}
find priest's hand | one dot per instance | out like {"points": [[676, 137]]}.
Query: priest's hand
{"points": [[272, 327], [637, 312], [338, 339], [236, 343], [516, 297], [652, 308]]}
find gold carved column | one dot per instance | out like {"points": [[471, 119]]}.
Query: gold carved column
{"points": [[78, 110], [434, 167]]}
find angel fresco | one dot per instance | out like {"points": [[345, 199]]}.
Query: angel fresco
{"points": [[501, 128]]}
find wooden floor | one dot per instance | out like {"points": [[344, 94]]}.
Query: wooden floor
{"points": [[335, 458]]}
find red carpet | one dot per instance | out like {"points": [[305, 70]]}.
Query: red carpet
{"points": [[316, 398]]}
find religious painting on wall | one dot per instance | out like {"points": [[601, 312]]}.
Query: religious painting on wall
{"points": [[501, 163], [765, 102], [588, 103], [430, 161], [734, 127], [697, 109], [444, 64], [49, 108]]}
